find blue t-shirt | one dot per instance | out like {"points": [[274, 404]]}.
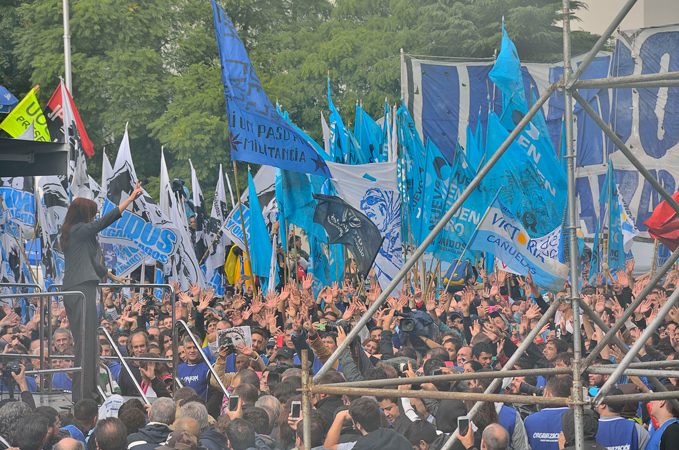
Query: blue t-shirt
{"points": [[617, 432], [543, 428], [30, 382], [507, 418], [195, 376], [61, 381]]}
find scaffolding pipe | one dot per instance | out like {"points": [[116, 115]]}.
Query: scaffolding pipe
{"points": [[626, 151], [512, 360], [434, 232], [624, 348], [442, 395], [455, 377], [614, 82], [632, 372], [646, 397], [576, 391], [617, 326], [644, 85], [599, 44], [306, 401], [645, 336]]}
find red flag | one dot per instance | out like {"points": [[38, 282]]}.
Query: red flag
{"points": [[664, 224], [60, 113]]}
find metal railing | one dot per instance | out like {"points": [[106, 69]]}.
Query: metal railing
{"points": [[42, 296], [124, 363], [202, 355], [165, 287]]}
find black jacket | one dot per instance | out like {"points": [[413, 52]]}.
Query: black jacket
{"points": [[383, 438], [152, 433], [213, 440], [328, 406], [128, 389]]}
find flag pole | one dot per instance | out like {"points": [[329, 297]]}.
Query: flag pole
{"points": [[242, 224], [296, 255], [287, 254], [459, 260], [67, 48], [210, 246]]}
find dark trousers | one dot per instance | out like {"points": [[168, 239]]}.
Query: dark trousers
{"points": [[74, 311]]}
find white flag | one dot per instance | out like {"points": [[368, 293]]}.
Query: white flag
{"points": [[372, 189], [216, 253]]}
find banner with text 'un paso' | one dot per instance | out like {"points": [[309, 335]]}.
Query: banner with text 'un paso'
{"points": [[503, 235], [257, 132]]}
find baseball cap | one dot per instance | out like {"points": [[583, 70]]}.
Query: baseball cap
{"points": [[180, 440], [285, 352]]}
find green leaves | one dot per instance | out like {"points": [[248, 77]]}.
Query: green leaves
{"points": [[154, 63]]}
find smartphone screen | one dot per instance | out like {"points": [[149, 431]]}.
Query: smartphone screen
{"points": [[233, 402], [296, 410], [463, 425], [437, 372]]}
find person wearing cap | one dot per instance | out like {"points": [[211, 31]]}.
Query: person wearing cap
{"points": [[285, 355], [616, 431], [590, 425]]}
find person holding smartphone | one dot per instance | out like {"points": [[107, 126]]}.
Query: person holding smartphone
{"points": [[82, 272]]}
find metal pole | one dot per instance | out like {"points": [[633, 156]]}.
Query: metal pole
{"points": [[640, 85], [67, 49], [515, 357], [576, 392], [631, 308], [623, 148], [442, 395], [306, 401], [650, 396], [608, 370], [115, 348], [455, 377], [621, 345], [605, 83], [202, 354], [407, 265], [600, 43], [645, 336]]}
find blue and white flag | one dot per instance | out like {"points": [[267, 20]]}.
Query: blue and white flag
{"points": [[372, 189], [503, 235], [19, 199], [257, 132]]}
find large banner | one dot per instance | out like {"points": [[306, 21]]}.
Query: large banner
{"points": [[444, 97]]}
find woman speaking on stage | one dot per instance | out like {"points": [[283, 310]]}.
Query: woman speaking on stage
{"points": [[83, 270]]}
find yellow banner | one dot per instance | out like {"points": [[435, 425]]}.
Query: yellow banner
{"points": [[28, 110]]}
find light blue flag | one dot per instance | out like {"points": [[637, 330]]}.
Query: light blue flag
{"points": [[616, 248], [474, 154], [480, 145], [344, 147], [450, 243], [298, 205], [301, 132], [503, 235], [414, 163], [595, 259], [437, 177], [506, 74], [258, 240], [319, 265], [369, 136], [533, 199], [257, 132]]}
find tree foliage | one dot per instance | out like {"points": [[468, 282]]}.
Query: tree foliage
{"points": [[154, 63]]}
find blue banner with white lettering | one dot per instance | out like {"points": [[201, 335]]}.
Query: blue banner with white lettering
{"points": [[19, 199], [257, 132]]}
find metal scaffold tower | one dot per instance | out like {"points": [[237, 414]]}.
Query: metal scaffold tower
{"points": [[630, 364]]}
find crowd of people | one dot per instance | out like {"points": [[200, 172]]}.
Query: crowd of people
{"points": [[421, 330]]}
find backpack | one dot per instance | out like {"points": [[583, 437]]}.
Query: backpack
{"points": [[459, 274]]}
